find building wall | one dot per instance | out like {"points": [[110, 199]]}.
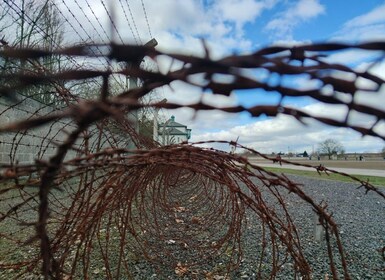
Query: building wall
{"points": [[180, 139], [41, 143], [24, 147], [171, 139]]}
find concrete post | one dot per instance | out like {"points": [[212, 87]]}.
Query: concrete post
{"points": [[318, 229]]}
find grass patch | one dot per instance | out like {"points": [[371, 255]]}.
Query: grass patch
{"points": [[374, 180]]}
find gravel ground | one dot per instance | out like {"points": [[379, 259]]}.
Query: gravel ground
{"points": [[361, 222]]}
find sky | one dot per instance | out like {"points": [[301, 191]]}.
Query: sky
{"points": [[243, 26]]}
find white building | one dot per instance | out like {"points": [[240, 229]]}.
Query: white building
{"points": [[172, 132]]}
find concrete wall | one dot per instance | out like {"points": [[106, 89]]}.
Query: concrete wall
{"points": [[24, 147], [41, 143]]}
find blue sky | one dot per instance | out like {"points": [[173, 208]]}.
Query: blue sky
{"points": [[248, 25], [242, 26]]}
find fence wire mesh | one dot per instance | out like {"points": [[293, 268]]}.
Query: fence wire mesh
{"points": [[95, 193]]}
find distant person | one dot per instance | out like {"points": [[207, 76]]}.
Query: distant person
{"points": [[277, 159], [319, 158]]}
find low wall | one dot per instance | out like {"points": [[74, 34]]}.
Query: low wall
{"points": [[41, 143]]}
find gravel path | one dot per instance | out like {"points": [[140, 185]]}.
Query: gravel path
{"points": [[361, 219]]}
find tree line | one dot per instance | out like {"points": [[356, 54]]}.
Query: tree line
{"points": [[39, 25]]}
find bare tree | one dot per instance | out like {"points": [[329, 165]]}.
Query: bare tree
{"points": [[330, 147], [32, 24], [4, 10]]}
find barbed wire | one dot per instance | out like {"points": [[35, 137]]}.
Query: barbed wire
{"points": [[133, 21], [145, 15], [182, 207], [89, 21], [129, 24], [97, 19], [85, 31], [112, 22]]}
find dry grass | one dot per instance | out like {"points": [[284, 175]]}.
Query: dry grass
{"points": [[375, 180], [376, 164]]}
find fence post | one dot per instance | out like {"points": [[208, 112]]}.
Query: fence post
{"points": [[318, 228]]}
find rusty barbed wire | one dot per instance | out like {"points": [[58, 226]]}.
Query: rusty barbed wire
{"points": [[109, 197]]}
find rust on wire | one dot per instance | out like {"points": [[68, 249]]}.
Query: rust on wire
{"points": [[98, 190]]}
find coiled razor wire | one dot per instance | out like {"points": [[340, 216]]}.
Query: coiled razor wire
{"points": [[93, 202]]}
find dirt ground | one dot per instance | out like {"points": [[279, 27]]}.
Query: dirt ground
{"points": [[367, 164]]}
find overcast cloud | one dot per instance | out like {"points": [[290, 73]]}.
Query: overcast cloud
{"points": [[179, 26]]}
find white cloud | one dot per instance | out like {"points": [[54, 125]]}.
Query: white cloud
{"points": [[290, 42], [375, 16], [201, 121], [361, 33], [241, 11], [284, 132], [337, 112], [307, 9], [178, 27], [373, 99], [368, 26], [353, 57], [268, 135], [284, 23]]}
